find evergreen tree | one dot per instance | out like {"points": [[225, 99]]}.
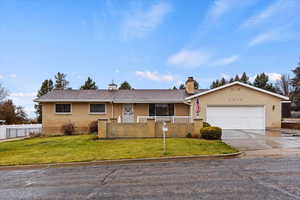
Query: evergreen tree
{"points": [[196, 85], [60, 81], [213, 85], [237, 78], [262, 81], [89, 85], [223, 81], [181, 87], [296, 86], [231, 80], [46, 87], [244, 78], [125, 86], [174, 88]]}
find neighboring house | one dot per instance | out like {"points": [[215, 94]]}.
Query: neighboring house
{"points": [[233, 106]]}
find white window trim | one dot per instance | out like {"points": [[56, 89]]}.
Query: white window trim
{"points": [[63, 113], [97, 113]]}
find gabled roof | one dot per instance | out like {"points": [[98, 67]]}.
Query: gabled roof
{"points": [[116, 96], [238, 83]]}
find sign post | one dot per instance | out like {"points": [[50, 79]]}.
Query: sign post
{"points": [[165, 129]]}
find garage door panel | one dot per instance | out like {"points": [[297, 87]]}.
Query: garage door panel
{"points": [[233, 117]]}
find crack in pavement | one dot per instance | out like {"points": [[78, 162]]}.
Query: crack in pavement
{"points": [[103, 181]]}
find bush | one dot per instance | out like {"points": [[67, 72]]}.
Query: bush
{"points": [[68, 128], [205, 124], [189, 135], [211, 133], [93, 127]]}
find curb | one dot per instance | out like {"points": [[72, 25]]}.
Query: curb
{"points": [[122, 161]]}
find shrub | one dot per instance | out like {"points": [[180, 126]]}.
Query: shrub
{"points": [[68, 128], [205, 124], [93, 127], [211, 133], [189, 135]]}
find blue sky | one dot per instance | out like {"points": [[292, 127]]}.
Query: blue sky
{"points": [[151, 44]]}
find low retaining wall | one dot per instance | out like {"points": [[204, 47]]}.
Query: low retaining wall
{"points": [[149, 129]]}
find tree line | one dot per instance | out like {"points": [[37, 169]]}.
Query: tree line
{"points": [[260, 81], [61, 83]]}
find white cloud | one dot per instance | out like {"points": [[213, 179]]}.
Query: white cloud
{"points": [[278, 12], [23, 94], [196, 58], [189, 58], [154, 76], [265, 37], [141, 22], [227, 60], [1, 76], [221, 7], [274, 76]]}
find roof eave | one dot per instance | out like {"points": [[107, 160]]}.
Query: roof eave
{"points": [[70, 100]]}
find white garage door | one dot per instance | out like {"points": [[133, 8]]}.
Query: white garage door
{"points": [[233, 117]]}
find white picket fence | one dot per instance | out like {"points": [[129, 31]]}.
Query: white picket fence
{"points": [[20, 130]]}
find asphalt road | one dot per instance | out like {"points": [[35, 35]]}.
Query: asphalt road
{"points": [[256, 178]]}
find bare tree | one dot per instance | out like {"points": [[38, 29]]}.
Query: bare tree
{"points": [[284, 86], [3, 93]]}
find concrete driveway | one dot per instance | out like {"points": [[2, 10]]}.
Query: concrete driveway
{"points": [[250, 140]]}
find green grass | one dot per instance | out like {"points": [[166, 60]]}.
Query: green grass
{"points": [[84, 148]]}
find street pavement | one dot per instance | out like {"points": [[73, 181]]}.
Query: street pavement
{"points": [[239, 178]]}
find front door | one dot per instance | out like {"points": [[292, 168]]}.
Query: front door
{"points": [[128, 115]]}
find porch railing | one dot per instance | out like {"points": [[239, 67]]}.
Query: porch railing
{"points": [[173, 119]]}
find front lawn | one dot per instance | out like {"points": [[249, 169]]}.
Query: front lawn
{"points": [[84, 148]]}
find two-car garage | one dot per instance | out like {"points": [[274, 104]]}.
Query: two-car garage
{"points": [[236, 117], [238, 106]]}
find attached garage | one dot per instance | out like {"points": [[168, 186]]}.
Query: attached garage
{"points": [[236, 117], [238, 106]]}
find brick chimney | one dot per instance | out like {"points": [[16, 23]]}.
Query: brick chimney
{"points": [[189, 85]]}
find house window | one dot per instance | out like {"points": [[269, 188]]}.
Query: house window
{"points": [[97, 108], [63, 108], [161, 109]]}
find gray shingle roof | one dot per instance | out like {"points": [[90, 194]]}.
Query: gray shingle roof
{"points": [[117, 96]]}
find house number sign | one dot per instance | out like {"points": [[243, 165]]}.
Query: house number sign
{"points": [[235, 99]]}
